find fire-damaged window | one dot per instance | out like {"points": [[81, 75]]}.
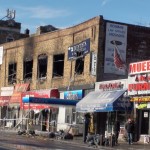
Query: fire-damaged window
{"points": [[28, 65], [42, 66], [79, 66], [12, 69], [58, 65]]}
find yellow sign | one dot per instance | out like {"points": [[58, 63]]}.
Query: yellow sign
{"points": [[140, 99], [141, 106]]}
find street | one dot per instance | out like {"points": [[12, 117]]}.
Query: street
{"points": [[19, 142]]}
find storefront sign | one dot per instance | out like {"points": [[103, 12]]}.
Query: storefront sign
{"points": [[111, 85], [7, 91], [83, 48], [47, 93], [74, 95], [139, 84], [139, 67], [140, 99]]}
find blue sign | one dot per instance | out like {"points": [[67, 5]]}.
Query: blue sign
{"points": [[81, 49], [74, 95]]}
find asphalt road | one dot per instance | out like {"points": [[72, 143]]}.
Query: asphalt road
{"points": [[9, 141]]}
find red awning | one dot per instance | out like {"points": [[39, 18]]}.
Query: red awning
{"points": [[17, 95]]}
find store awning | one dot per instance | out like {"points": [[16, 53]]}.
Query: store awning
{"points": [[104, 101], [17, 94], [51, 101]]}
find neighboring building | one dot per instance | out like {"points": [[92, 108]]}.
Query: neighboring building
{"points": [[11, 31], [139, 91]]}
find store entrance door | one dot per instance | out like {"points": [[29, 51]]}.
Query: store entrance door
{"points": [[145, 122]]}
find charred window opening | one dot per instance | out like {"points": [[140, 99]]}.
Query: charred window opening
{"points": [[58, 65], [28, 65], [79, 66], [12, 70], [42, 66]]}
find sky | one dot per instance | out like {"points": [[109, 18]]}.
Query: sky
{"points": [[66, 13]]}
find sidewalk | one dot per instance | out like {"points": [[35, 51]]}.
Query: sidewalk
{"points": [[79, 140]]}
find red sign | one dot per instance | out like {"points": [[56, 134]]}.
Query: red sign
{"points": [[4, 100], [111, 86], [48, 93], [139, 87], [139, 67]]}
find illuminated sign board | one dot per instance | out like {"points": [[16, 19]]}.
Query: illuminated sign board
{"points": [[140, 99]]}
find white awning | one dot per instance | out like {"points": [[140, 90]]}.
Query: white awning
{"points": [[103, 101]]}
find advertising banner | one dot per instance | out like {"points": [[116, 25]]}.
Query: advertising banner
{"points": [[115, 49]]}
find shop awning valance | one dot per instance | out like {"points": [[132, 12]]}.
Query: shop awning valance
{"points": [[49, 101], [104, 101]]}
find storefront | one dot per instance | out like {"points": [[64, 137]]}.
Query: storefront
{"points": [[41, 114], [67, 115], [6, 93], [55, 102], [139, 91], [14, 112], [109, 102]]}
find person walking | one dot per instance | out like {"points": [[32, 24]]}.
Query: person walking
{"points": [[86, 126], [116, 130], [129, 126]]}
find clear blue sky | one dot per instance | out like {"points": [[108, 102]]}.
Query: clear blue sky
{"points": [[65, 13]]}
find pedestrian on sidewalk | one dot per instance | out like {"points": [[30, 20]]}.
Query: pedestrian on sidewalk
{"points": [[129, 126], [86, 126], [116, 130]]}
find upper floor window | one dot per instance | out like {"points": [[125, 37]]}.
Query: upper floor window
{"points": [[12, 70], [79, 65], [27, 69], [42, 66], [58, 65]]}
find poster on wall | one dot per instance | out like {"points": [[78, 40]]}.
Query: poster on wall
{"points": [[115, 49]]}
